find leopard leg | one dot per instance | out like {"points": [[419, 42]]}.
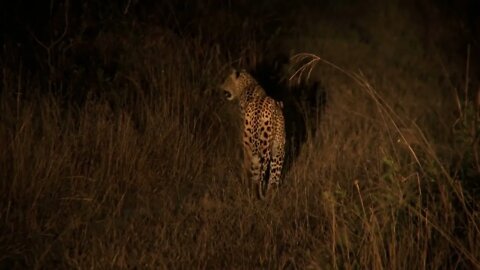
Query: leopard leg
{"points": [[276, 169], [263, 184], [256, 170], [278, 154]]}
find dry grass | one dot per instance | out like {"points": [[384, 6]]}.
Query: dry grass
{"points": [[141, 169]]}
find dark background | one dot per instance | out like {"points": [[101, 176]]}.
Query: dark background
{"points": [[24, 21]]}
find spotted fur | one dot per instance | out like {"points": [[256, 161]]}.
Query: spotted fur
{"points": [[263, 129]]}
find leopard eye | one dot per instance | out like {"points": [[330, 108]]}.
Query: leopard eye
{"points": [[227, 94]]}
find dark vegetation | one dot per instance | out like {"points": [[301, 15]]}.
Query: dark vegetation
{"points": [[117, 150]]}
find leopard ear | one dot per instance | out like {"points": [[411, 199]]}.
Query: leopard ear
{"points": [[234, 72]]}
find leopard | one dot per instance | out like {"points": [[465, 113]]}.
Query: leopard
{"points": [[263, 125]]}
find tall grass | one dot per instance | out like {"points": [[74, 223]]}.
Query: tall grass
{"points": [[414, 199], [134, 161]]}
